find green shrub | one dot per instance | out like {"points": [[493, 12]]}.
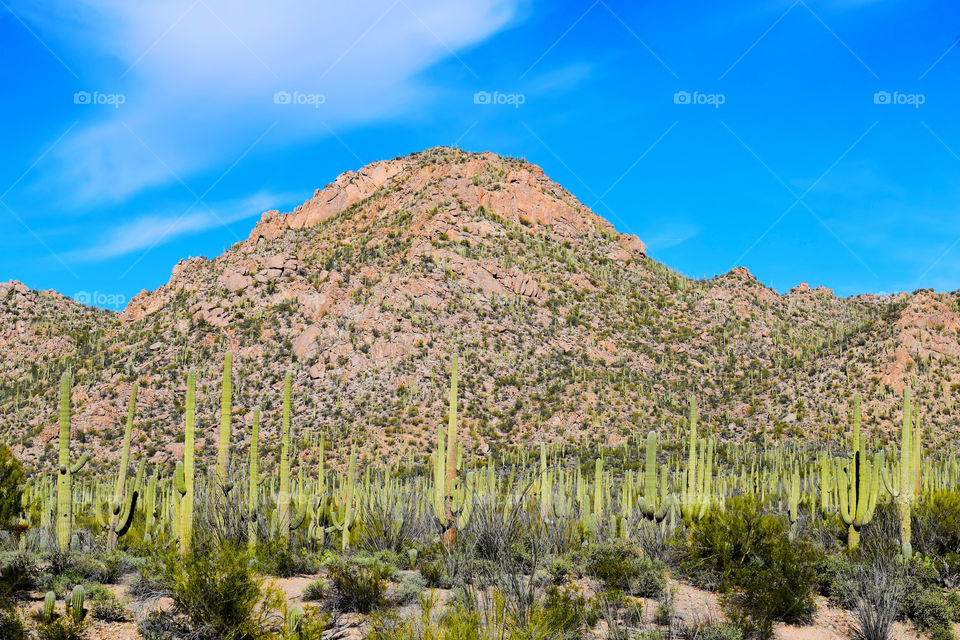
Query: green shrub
{"points": [[943, 633], [115, 565], [410, 589], [763, 576], [567, 610], [358, 588], [953, 599], [12, 479], [17, 571], [216, 589], [936, 523], [11, 625], [275, 557], [622, 566], [922, 591], [315, 590], [435, 573], [721, 631], [163, 625], [930, 611], [105, 605], [560, 568], [61, 628]]}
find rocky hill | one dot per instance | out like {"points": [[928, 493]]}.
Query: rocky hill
{"points": [[565, 329]]}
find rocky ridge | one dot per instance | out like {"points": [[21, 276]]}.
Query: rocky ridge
{"points": [[566, 330]]}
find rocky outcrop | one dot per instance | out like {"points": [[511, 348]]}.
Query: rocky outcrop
{"points": [[566, 330]]}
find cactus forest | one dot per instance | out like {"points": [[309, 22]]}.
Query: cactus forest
{"points": [[552, 541]]}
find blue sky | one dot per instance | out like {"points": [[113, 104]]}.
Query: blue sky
{"points": [[808, 141]]}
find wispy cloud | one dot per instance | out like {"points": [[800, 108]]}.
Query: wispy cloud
{"points": [[665, 238], [199, 77], [162, 227]]}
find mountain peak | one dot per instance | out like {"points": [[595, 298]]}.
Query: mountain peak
{"points": [[511, 187]]}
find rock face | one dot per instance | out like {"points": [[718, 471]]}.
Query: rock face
{"points": [[565, 329]]}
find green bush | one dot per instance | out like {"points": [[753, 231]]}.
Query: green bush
{"points": [[276, 558], [567, 610], [721, 631], [216, 589], [17, 571], [943, 633], [105, 605], [12, 480], [358, 588], [162, 625], [623, 567], [763, 576], [953, 599], [410, 589], [435, 574], [315, 590], [11, 625], [930, 611], [936, 523], [560, 568], [61, 628]]}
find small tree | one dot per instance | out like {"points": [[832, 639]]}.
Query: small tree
{"points": [[12, 478]]}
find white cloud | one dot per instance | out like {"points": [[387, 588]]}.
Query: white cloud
{"points": [[156, 229], [199, 76], [666, 237]]}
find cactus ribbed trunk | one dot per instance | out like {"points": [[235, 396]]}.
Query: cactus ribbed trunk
{"points": [[254, 474], [907, 474], [186, 490], [283, 500], [226, 407], [451, 475], [64, 488]]}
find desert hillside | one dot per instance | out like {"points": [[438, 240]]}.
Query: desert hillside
{"points": [[566, 330]]}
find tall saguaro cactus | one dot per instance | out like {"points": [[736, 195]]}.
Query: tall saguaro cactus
{"points": [[902, 486], [183, 478], [283, 500], [445, 490], [66, 471], [654, 504], [451, 475], [858, 484], [253, 497], [121, 503], [226, 407]]}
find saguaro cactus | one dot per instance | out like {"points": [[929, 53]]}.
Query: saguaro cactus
{"points": [[253, 495], [654, 505], [183, 477], [902, 486], [77, 597], [445, 490], [49, 605], [66, 471], [697, 485], [342, 512], [283, 500], [226, 407], [857, 487], [122, 504], [793, 501]]}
